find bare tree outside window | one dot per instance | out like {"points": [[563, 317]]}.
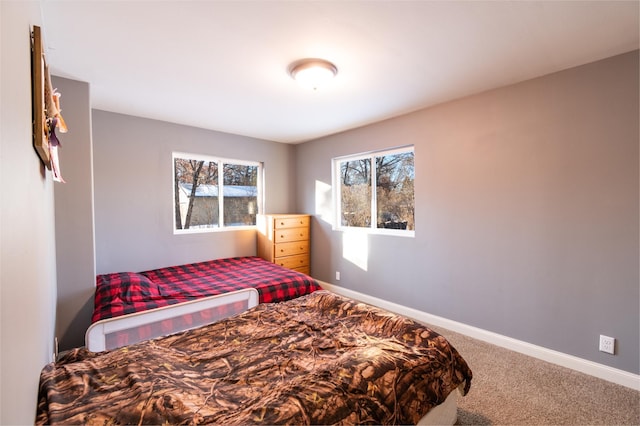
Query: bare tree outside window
{"points": [[394, 191], [203, 201], [240, 194], [377, 191], [355, 192]]}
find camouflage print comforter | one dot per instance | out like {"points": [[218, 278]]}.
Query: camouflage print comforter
{"points": [[317, 359]]}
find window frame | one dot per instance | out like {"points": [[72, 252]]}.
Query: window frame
{"points": [[221, 227], [337, 194]]}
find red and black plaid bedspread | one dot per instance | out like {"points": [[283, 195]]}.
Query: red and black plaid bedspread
{"points": [[128, 292]]}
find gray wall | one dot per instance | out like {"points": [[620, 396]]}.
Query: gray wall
{"points": [[76, 266], [27, 232], [526, 211], [134, 191]]}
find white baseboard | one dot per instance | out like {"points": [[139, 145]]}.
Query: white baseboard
{"points": [[601, 371]]}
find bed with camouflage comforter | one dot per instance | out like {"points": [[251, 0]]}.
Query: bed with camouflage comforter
{"points": [[317, 359]]}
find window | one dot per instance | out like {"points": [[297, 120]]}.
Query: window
{"points": [[214, 193], [375, 191]]}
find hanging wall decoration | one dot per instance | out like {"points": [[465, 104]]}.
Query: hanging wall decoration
{"points": [[47, 114]]}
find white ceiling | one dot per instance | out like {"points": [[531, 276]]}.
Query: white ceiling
{"points": [[222, 65]]}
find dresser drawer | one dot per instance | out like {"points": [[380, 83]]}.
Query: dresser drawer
{"points": [[305, 270], [290, 249], [293, 262], [291, 222], [290, 234]]}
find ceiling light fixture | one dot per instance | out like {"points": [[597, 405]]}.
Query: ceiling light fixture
{"points": [[312, 72]]}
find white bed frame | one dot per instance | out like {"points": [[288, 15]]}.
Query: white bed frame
{"points": [[96, 336], [445, 413]]}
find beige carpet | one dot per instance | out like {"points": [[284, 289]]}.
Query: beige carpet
{"points": [[509, 388]]}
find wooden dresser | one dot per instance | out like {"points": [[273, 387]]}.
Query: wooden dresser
{"points": [[284, 239]]}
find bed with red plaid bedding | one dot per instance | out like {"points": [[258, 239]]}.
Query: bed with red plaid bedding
{"points": [[124, 293]]}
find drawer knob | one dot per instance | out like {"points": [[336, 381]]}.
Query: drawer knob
{"points": [[282, 223]]}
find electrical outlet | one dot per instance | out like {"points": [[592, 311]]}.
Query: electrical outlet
{"points": [[337, 275], [607, 344]]}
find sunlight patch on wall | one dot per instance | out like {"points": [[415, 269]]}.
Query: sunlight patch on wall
{"points": [[355, 248], [323, 202]]}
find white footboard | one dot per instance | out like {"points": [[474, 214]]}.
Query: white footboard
{"points": [[112, 333]]}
